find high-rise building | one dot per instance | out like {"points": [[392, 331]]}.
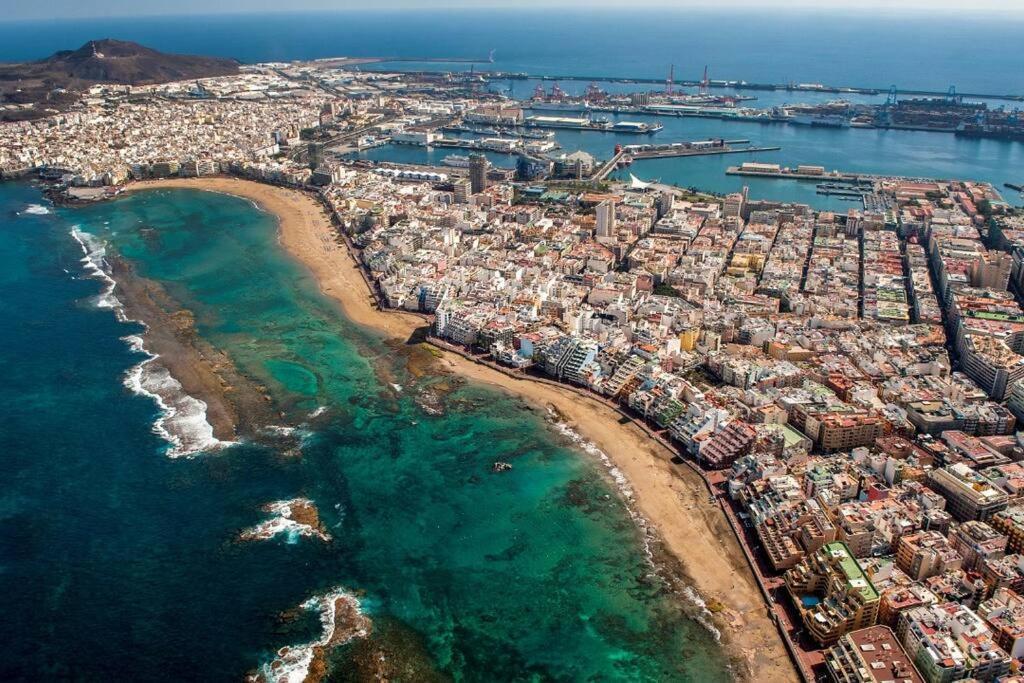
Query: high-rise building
{"points": [[462, 191], [926, 553], [950, 642], [606, 219], [968, 494], [732, 207], [478, 172], [665, 201]]}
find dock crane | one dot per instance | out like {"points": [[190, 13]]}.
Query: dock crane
{"points": [[883, 117], [671, 79], [704, 82], [892, 99]]}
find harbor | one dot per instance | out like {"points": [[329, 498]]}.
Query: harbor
{"points": [[734, 84]]}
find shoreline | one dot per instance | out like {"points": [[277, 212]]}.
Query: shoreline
{"points": [[672, 500], [204, 402]]}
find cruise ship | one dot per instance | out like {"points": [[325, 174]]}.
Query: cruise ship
{"points": [[456, 161], [559, 106]]}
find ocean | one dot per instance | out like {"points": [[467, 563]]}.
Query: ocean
{"points": [[912, 50], [975, 52], [123, 556]]}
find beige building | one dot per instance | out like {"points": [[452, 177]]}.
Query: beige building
{"points": [[832, 593]]}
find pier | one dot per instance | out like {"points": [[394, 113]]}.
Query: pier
{"points": [[787, 174], [609, 166], [683, 151], [744, 85]]}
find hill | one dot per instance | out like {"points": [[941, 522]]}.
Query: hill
{"points": [[54, 82]]}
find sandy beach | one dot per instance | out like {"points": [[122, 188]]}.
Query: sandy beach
{"points": [[692, 531]]}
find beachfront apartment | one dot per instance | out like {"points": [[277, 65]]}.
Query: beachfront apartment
{"points": [[832, 593]]}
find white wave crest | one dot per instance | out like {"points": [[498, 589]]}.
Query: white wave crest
{"points": [[182, 422], [590, 449], [95, 264], [700, 613], [293, 662], [35, 210], [282, 521]]}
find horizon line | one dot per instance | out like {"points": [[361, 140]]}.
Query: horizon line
{"points": [[807, 7]]}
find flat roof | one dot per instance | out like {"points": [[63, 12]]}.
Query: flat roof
{"points": [[855, 576]]}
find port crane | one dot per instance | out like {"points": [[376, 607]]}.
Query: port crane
{"points": [[704, 83]]}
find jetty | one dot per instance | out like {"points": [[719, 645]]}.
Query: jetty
{"points": [[803, 172], [693, 149]]}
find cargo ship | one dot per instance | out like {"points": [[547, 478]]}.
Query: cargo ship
{"points": [[993, 131], [822, 120]]}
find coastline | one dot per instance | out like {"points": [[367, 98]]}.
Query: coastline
{"points": [[672, 500]]}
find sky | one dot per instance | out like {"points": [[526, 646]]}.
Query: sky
{"points": [[14, 10]]}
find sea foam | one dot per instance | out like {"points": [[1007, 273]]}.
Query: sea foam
{"points": [[283, 520], [35, 210], [342, 619], [182, 422]]}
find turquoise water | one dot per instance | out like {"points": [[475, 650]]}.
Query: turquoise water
{"points": [[118, 561]]}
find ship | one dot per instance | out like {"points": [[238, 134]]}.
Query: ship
{"points": [[636, 127], [559, 106], [456, 161], [821, 120], [996, 132]]}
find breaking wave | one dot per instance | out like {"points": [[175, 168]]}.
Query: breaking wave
{"points": [[35, 210], [182, 422], [342, 619], [296, 518]]}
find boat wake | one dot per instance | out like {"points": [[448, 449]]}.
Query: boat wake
{"points": [[342, 619], [182, 422], [296, 518]]}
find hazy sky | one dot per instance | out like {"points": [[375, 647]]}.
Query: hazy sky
{"points": [[58, 9]]}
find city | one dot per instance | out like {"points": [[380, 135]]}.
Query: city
{"points": [[848, 384]]}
